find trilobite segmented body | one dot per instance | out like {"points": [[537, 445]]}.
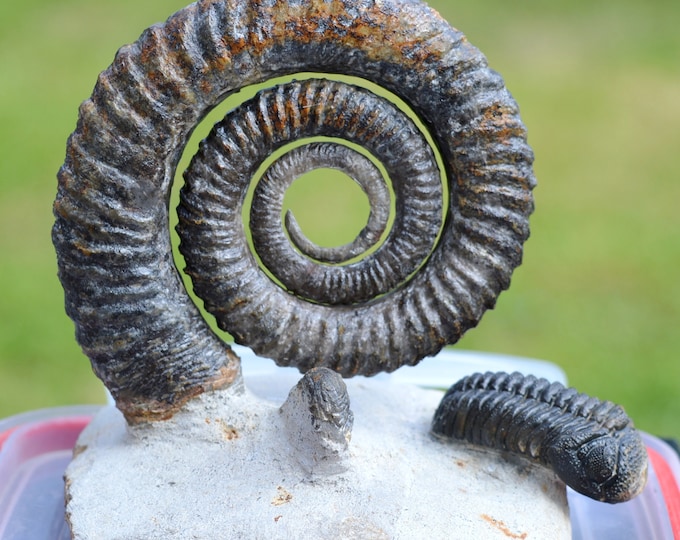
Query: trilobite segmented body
{"points": [[457, 234], [590, 444]]}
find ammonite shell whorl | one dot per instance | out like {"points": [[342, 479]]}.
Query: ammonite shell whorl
{"points": [[448, 254]]}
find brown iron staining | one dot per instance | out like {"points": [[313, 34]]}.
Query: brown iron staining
{"points": [[503, 528], [134, 320], [352, 24], [137, 412]]}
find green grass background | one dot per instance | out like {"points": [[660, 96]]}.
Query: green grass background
{"points": [[598, 83]]}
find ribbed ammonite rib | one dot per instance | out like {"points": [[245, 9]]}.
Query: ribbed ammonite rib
{"points": [[133, 317]]}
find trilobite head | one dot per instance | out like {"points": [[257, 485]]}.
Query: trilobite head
{"points": [[605, 467]]}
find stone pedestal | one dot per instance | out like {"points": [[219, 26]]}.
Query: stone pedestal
{"points": [[224, 468]]}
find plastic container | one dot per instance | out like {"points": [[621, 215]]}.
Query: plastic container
{"points": [[36, 447], [652, 515]]}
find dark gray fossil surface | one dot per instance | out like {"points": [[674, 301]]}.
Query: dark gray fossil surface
{"points": [[591, 444], [451, 253]]}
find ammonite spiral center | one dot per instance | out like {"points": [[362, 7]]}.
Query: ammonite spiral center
{"points": [[268, 199]]}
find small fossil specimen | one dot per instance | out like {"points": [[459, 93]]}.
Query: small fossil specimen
{"points": [[319, 421], [590, 444]]}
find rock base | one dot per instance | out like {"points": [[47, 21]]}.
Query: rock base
{"points": [[223, 468]]}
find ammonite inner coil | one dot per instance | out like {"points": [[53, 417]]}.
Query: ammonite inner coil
{"points": [[428, 280]]}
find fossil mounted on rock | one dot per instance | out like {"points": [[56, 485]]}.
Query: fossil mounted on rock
{"points": [[435, 141]]}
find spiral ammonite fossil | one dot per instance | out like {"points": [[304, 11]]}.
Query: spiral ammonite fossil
{"points": [[449, 253]]}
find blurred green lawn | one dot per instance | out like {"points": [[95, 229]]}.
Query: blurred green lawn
{"points": [[598, 83]]}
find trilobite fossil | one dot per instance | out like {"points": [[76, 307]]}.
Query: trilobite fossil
{"points": [[590, 444]]}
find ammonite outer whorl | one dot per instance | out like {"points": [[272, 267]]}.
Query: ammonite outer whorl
{"points": [[134, 319]]}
